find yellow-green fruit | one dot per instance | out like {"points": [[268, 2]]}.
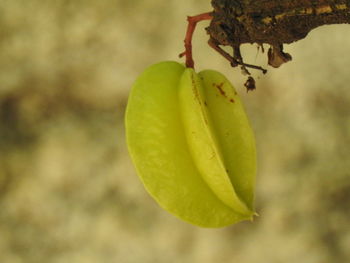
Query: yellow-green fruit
{"points": [[192, 145]]}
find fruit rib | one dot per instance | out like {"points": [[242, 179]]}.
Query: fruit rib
{"points": [[234, 134], [202, 140]]}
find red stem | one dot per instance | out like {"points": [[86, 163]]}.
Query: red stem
{"points": [[192, 22]]}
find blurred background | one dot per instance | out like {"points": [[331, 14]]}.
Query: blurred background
{"points": [[68, 190]]}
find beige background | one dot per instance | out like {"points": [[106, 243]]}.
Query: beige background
{"points": [[68, 190]]}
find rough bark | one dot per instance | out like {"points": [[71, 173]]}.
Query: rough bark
{"points": [[273, 22]]}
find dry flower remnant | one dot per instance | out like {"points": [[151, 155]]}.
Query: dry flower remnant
{"points": [[272, 22]]}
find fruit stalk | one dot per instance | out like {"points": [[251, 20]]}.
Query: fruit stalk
{"points": [[192, 22]]}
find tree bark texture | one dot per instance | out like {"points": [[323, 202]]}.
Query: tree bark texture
{"points": [[273, 22]]}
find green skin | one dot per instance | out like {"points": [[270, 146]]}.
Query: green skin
{"points": [[193, 147]]}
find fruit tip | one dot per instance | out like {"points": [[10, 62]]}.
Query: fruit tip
{"points": [[255, 214]]}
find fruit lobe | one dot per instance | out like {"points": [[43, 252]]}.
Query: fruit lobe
{"points": [[202, 140]]}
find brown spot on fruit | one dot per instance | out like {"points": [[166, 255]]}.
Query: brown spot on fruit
{"points": [[219, 87], [195, 91]]}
